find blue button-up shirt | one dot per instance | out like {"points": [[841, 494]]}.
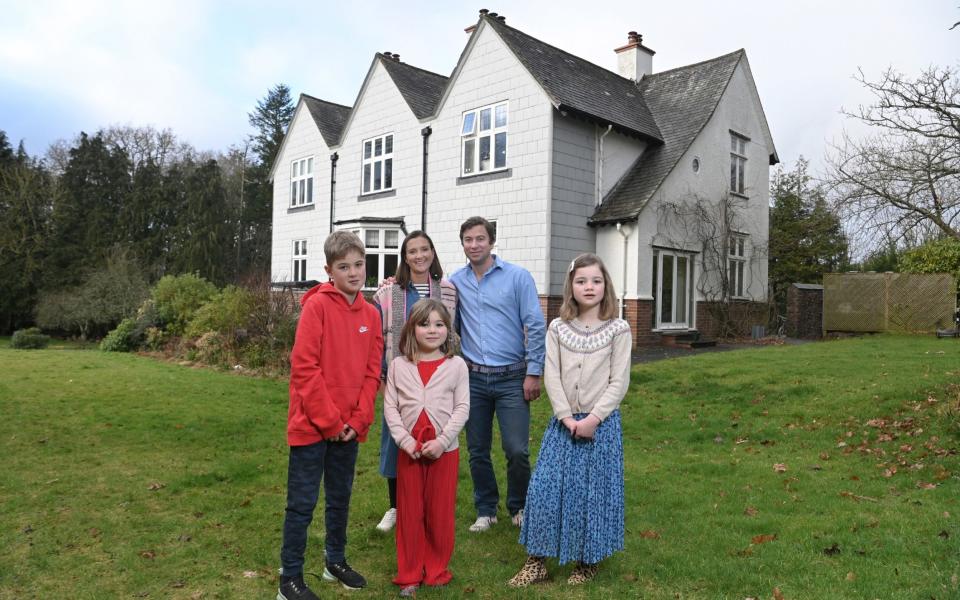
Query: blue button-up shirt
{"points": [[494, 313]]}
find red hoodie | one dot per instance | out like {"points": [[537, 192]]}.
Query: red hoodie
{"points": [[334, 367]]}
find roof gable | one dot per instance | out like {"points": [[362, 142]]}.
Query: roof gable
{"points": [[328, 117], [420, 88], [682, 101]]}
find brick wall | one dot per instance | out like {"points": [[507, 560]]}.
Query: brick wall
{"points": [[804, 312], [741, 317], [639, 314]]}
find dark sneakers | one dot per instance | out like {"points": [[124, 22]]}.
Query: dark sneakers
{"points": [[345, 574], [293, 588]]}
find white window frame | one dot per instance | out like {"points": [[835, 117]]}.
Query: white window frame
{"points": [[370, 161], [737, 266], [299, 260], [689, 299], [738, 163], [384, 252], [472, 137], [301, 182]]}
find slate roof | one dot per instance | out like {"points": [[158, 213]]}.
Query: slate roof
{"points": [[420, 88], [579, 86], [682, 100], [329, 117]]}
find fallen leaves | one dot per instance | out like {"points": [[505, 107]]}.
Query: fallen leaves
{"points": [[857, 497], [780, 468], [750, 511], [249, 574], [156, 485], [763, 538], [650, 534], [777, 594], [147, 554], [851, 576], [926, 486], [832, 550]]}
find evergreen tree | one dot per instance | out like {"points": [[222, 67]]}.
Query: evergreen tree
{"points": [[205, 230], [271, 118]]}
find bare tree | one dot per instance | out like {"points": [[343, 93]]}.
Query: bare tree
{"points": [[903, 182]]}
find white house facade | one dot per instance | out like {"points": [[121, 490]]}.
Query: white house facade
{"points": [[563, 155]]}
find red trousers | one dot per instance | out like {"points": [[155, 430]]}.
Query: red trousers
{"points": [[426, 497]]}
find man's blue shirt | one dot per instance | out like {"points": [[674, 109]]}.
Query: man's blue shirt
{"points": [[493, 315]]}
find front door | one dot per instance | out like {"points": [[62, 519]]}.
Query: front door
{"points": [[673, 281]]}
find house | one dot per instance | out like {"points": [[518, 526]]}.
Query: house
{"points": [[663, 174]]}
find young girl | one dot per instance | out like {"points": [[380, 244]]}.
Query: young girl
{"points": [[426, 403], [575, 502]]}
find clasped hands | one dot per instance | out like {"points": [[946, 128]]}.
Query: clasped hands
{"points": [[582, 429], [346, 434], [431, 449]]}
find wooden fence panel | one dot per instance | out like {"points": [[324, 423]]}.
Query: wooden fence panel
{"points": [[864, 302]]}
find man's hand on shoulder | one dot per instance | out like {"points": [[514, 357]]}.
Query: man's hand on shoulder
{"points": [[531, 387]]}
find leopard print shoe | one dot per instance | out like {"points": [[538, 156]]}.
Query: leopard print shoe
{"points": [[582, 574], [534, 571]]}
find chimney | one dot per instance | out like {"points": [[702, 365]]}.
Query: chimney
{"points": [[396, 57], [634, 60]]}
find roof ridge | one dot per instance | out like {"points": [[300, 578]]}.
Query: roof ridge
{"points": [[384, 58], [741, 51], [326, 101]]}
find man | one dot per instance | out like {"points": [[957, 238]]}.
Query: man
{"points": [[502, 339]]}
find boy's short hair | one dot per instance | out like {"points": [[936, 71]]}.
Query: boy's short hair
{"points": [[339, 243], [473, 222]]}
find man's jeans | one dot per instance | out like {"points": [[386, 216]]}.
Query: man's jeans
{"points": [[333, 463], [503, 395]]}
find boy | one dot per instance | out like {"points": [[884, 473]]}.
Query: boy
{"points": [[334, 376]]}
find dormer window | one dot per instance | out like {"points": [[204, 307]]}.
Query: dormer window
{"points": [[483, 136], [378, 164]]}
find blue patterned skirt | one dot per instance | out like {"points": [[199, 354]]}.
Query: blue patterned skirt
{"points": [[574, 508]]}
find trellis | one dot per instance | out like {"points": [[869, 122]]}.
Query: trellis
{"points": [[866, 302]]}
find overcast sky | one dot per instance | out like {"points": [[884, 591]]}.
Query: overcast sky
{"points": [[199, 66]]}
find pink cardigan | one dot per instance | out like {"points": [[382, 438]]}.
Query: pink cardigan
{"points": [[446, 398]]}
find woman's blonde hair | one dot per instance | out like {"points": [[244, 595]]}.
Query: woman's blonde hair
{"points": [[608, 306], [419, 314]]}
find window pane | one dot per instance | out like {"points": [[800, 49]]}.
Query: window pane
{"points": [[367, 146], [377, 175], [500, 151], [485, 119], [740, 163], [740, 266], [388, 173], [366, 178], [296, 248], [303, 248], [500, 120], [732, 277], [293, 193], [378, 147], [391, 238], [293, 169], [469, 148], [309, 165], [310, 191], [681, 289], [485, 153], [388, 145], [372, 237], [733, 143], [666, 290], [303, 191], [733, 174], [373, 276], [469, 120], [740, 247], [390, 265]]}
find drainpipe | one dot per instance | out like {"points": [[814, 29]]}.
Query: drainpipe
{"points": [[333, 184], [425, 132], [599, 169], [625, 231]]}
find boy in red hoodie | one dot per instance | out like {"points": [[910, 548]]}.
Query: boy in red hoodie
{"points": [[334, 376]]}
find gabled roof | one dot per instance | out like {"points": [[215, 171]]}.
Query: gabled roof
{"points": [[579, 86], [420, 88], [329, 117], [682, 100]]}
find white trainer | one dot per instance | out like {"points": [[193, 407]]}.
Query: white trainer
{"points": [[482, 524], [388, 521], [517, 519]]}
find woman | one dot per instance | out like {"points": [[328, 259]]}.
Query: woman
{"points": [[418, 276]]}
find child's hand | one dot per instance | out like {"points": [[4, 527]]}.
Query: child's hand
{"points": [[586, 427], [412, 452], [432, 449], [347, 434], [571, 424]]}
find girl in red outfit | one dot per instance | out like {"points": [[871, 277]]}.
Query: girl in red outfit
{"points": [[426, 404]]}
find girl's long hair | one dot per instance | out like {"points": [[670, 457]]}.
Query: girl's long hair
{"points": [[403, 269], [569, 310], [419, 314]]}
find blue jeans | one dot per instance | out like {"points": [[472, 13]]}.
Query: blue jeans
{"points": [[503, 395], [333, 463]]}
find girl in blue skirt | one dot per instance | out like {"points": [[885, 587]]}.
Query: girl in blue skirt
{"points": [[574, 508]]}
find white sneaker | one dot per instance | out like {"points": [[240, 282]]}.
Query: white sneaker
{"points": [[517, 519], [482, 524], [388, 521]]}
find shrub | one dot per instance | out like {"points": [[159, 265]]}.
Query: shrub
{"points": [[226, 313], [156, 338], [178, 297], [30, 338], [123, 338], [941, 256]]}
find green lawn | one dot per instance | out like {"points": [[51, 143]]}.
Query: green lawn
{"points": [[126, 477]]}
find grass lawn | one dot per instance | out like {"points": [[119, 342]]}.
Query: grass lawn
{"points": [[826, 470]]}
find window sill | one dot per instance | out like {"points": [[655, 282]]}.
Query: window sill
{"points": [[480, 177], [301, 208], [377, 195], [739, 195]]}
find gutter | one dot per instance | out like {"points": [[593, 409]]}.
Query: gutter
{"points": [[425, 132], [333, 184]]}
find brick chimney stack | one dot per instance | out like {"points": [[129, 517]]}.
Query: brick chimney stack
{"points": [[634, 60]]}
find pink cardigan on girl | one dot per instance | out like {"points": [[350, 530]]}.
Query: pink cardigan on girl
{"points": [[445, 398]]}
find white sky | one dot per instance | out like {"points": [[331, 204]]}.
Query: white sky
{"points": [[199, 67]]}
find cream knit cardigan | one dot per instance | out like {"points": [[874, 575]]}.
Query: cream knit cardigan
{"points": [[446, 398]]}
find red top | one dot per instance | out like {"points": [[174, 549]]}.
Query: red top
{"points": [[427, 368]]}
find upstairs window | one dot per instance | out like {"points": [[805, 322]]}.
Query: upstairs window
{"points": [[736, 266], [299, 260], [378, 164], [483, 137], [301, 182], [738, 162]]}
